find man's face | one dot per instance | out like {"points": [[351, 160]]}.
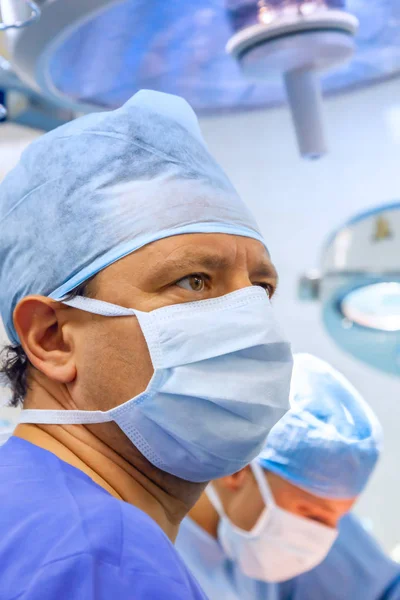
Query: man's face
{"points": [[246, 505], [112, 361], [327, 511]]}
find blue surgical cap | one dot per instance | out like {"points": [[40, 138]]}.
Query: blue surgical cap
{"points": [[330, 440], [96, 189]]}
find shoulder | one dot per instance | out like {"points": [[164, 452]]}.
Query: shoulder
{"points": [[84, 577], [69, 528], [117, 533], [126, 555]]}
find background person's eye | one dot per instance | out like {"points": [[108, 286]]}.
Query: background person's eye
{"points": [[193, 283], [321, 520]]}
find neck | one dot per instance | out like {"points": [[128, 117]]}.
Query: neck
{"points": [[89, 449], [205, 515], [77, 447]]}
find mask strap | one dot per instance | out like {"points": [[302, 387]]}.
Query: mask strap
{"points": [[213, 497], [79, 417], [106, 309], [99, 307], [263, 484]]}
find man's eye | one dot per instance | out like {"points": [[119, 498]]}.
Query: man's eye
{"points": [[267, 287], [193, 283]]}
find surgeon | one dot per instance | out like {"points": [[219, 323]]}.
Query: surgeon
{"points": [[135, 288], [253, 534]]}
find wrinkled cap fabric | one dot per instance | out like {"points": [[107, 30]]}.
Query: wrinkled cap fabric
{"points": [[96, 189], [330, 440]]}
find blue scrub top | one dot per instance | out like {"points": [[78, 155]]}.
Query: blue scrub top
{"points": [[64, 537], [355, 569]]}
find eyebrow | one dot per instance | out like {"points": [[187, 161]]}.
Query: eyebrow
{"points": [[322, 505], [213, 262]]}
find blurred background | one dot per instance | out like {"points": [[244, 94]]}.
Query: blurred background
{"points": [[277, 85]]}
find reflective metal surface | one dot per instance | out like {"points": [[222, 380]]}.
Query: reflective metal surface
{"points": [[20, 14]]}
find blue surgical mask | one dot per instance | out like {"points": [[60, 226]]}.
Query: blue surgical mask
{"points": [[221, 381]]}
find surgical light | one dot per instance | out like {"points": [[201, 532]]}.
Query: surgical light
{"points": [[90, 55], [359, 287], [375, 306], [300, 39], [19, 14]]}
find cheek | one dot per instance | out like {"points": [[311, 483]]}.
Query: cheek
{"points": [[246, 508], [342, 508], [113, 364]]}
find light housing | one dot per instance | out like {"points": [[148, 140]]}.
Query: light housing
{"points": [[359, 287]]}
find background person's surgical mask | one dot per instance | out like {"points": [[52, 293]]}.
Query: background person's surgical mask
{"points": [[280, 546], [221, 381]]}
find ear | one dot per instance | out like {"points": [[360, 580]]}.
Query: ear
{"points": [[45, 340], [236, 481]]}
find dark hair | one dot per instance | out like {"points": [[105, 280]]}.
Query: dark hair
{"points": [[14, 362]]}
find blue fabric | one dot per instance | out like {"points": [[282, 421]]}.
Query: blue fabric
{"points": [[330, 440], [98, 188], [64, 537], [356, 568]]}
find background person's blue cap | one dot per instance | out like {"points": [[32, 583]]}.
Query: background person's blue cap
{"points": [[96, 189], [330, 440]]}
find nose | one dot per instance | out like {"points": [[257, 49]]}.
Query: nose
{"points": [[238, 281]]}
